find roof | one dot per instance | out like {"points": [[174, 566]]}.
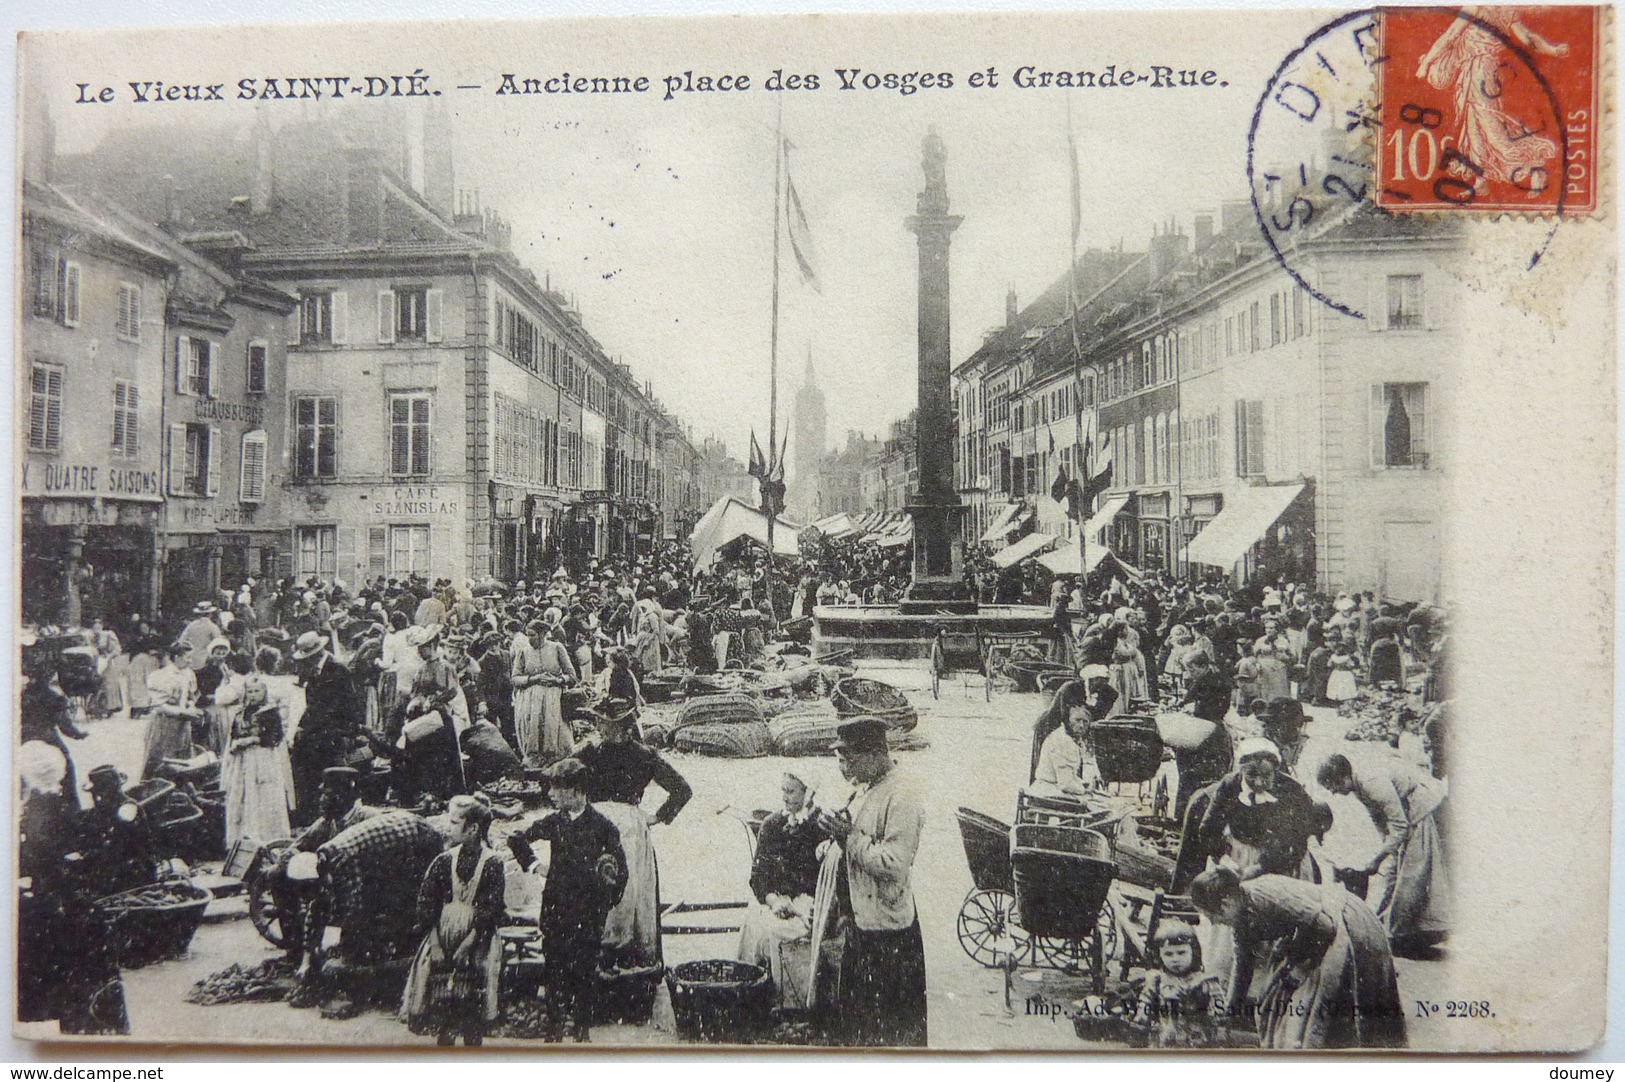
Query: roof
{"points": [[730, 519]]}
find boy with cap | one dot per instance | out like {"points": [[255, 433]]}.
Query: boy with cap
{"points": [[585, 878], [883, 967]]}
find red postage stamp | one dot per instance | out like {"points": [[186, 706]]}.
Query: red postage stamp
{"points": [[1490, 108]]}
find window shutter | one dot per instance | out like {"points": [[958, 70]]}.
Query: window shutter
{"points": [[1255, 437], [431, 325], [135, 311], [344, 563], [177, 460], [1418, 407], [53, 409], [210, 349], [251, 479], [386, 316], [1377, 427], [70, 294], [295, 323], [211, 483], [1376, 307], [132, 420], [183, 360], [1432, 310], [341, 318], [1241, 438], [377, 551]]}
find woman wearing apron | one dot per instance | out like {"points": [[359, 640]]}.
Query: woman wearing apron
{"points": [[621, 770]]}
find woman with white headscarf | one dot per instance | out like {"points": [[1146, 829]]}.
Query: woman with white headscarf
{"points": [[784, 879]]}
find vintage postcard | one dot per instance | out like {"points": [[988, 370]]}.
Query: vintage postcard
{"points": [[1070, 531]]}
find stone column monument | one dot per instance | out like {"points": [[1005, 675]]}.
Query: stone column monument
{"points": [[935, 506]]}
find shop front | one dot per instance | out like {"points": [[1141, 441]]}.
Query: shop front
{"points": [[358, 533], [88, 559], [1156, 530]]}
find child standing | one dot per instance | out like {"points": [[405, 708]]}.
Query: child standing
{"points": [[586, 877], [1341, 686], [452, 988]]}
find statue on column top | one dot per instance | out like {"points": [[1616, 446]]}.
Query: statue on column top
{"points": [[934, 161]]}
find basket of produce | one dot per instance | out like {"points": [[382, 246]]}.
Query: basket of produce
{"points": [[732, 709], [720, 1000], [662, 684], [1127, 748], [1183, 732], [805, 729], [856, 696], [532, 794], [728, 740], [700, 684], [154, 923], [1061, 876]]}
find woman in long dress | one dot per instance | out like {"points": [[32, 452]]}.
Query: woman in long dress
{"points": [[1411, 895], [784, 879], [173, 690], [541, 668], [1330, 978], [256, 774], [621, 769], [452, 989]]}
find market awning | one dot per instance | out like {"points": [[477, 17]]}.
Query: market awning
{"points": [[897, 524], [729, 520], [1002, 523], [1064, 561], [1022, 548], [903, 536], [1246, 516], [1103, 517], [836, 526]]}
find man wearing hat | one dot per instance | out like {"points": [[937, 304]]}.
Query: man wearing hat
{"points": [[340, 808], [335, 714], [199, 632], [883, 968], [117, 849]]}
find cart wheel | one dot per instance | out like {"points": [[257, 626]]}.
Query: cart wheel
{"points": [[1073, 955], [986, 917], [263, 909]]}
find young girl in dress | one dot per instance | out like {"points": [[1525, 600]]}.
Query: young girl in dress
{"points": [[1340, 686], [452, 988], [1178, 995]]}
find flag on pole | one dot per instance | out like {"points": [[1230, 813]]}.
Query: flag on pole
{"points": [[758, 464], [1077, 183], [1058, 488], [800, 234], [1099, 471]]}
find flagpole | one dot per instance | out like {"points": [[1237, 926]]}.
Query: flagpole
{"points": [[773, 363], [1083, 470]]}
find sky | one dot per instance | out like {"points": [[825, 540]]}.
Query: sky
{"points": [[655, 215]]}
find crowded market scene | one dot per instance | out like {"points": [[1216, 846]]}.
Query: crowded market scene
{"points": [[349, 786]]}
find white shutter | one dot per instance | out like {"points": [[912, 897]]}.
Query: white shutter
{"points": [[1376, 426], [132, 420], [1376, 305], [251, 479], [135, 312], [431, 324], [183, 357], [296, 323], [341, 318], [211, 483], [1419, 406], [177, 460], [344, 563], [377, 551], [386, 316], [70, 294], [211, 352]]}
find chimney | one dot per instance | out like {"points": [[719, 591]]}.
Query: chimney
{"points": [[263, 187], [1167, 250], [439, 176], [39, 138], [172, 202], [1204, 230], [363, 196], [1010, 307]]}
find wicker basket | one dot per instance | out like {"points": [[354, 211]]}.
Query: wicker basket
{"points": [[1061, 876], [721, 1000], [730, 740], [735, 708], [805, 729], [144, 934], [858, 696], [1127, 748], [660, 685]]}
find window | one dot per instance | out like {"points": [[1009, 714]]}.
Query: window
{"points": [[324, 317], [1249, 437], [315, 436], [408, 550], [126, 401], [251, 477], [194, 367], [128, 323], [411, 312], [258, 354], [1404, 302], [56, 286], [409, 435], [317, 551], [45, 408], [194, 460], [1299, 323], [1399, 431], [1252, 327], [1277, 325]]}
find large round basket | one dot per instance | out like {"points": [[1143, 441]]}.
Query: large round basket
{"points": [[1061, 877], [859, 696], [1127, 748], [731, 709], [720, 1000], [627, 996], [152, 924], [805, 729], [732, 740]]}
